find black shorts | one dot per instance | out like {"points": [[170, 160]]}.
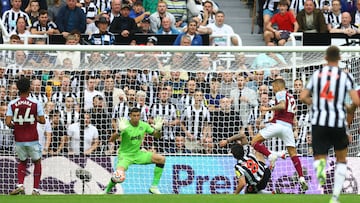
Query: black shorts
{"points": [[323, 138], [262, 183]]}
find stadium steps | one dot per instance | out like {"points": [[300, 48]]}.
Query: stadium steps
{"points": [[237, 14]]}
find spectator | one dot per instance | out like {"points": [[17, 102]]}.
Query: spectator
{"points": [[213, 97], [25, 6], [43, 25], [244, 99], [124, 25], [15, 68], [151, 41], [317, 25], [71, 17], [9, 18], [179, 146], [220, 28], [37, 93], [101, 119], [104, 6], [346, 27], [225, 122], [22, 31], [58, 143], [355, 15], [333, 17], [113, 95], [196, 115], [166, 111], [227, 83], [90, 10], [102, 37], [75, 56], [285, 22], [59, 96], [144, 27], [33, 12], [69, 114], [54, 9], [138, 14], [208, 14], [90, 93], [91, 140], [270, 8], [141, 104], [115, 10], [155, 18], [150, 5], [166, 27], [178, 9], [348, 6], [191, 31]]}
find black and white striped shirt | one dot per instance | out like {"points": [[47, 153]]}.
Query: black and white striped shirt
{"points": [[49, 25], [249, 167], [90, 10], [120, 110], [271, 5], [329, 86], [195, 120], [69, 117], [103, 5], [41, 97], [10, 17], [333, 19], [167, 112], [59, 98]]}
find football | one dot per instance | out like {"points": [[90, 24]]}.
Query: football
{"points": [[118, 176]]}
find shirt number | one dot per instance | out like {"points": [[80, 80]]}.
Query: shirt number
{"points": [[326, 93], [20, 119], [252, 165]]}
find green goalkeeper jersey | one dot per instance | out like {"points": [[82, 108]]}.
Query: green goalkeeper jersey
{"points": [[132, 137]]}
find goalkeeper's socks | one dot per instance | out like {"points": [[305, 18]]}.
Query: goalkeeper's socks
{"points": [[319, 166], [339, 178], [157, 174], [110, 185]]}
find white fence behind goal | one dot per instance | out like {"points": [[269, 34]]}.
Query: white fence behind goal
{"points": [[104, 82]]}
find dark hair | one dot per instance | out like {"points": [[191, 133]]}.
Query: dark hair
{"points": [[23, 85], [333, 53], [53, 113], [237, 151], [43, 12], [135, 110]]}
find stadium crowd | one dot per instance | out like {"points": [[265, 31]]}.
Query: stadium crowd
{"points": [[199, 108]]}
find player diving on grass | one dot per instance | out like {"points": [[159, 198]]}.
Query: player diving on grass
{"points": [[132, 133], [250, 169], [281, 126]]}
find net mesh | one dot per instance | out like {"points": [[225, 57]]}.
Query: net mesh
{"points": [[194, 92]]}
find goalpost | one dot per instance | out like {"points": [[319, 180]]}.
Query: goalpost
{"points": [[99, 84]]}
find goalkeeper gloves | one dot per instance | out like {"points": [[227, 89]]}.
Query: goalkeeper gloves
{"points": [[158, 122], [123, 124]]}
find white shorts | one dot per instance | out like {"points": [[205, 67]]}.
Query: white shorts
{"points": [[280, 130], [28, 149]]}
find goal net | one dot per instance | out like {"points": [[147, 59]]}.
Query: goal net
{"points": [[196, 90]]}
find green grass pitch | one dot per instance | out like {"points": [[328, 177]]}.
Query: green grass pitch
{"points": [[280, 198]]}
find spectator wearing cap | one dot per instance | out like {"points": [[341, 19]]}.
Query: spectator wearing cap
{"points": [[144, 27], [124, 25], [166, 27], [102, 37], [71, 17], [196, 39], [151, 41], [137, 12]]}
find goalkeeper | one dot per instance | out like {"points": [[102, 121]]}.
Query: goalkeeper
{"points": [[132, 133]]}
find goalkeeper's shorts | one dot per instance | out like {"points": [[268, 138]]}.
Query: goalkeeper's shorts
{"points": [[140, 157]]}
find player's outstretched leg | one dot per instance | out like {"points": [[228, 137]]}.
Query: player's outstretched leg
{"points": [[320, 166], [109, 186], [157, 175]]}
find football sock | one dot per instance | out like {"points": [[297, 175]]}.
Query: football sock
{"points": [[339, 178], [260, 147], [21, 172], [157, 174], [110, 185], [37, 174], [319, 166], [297, 165]]}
